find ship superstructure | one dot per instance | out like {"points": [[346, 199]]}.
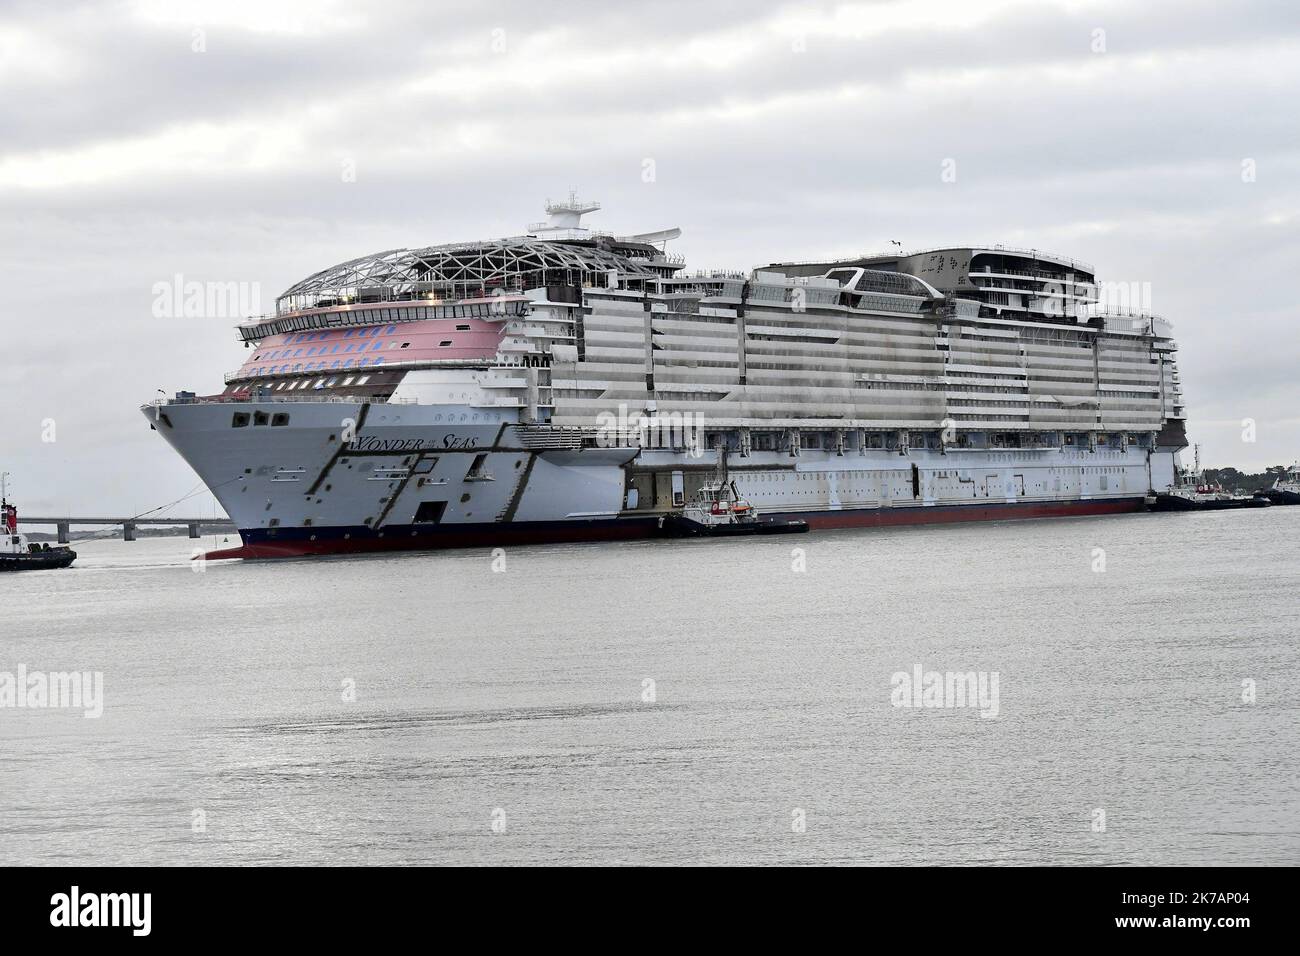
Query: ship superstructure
{"points": [[570, 384]]}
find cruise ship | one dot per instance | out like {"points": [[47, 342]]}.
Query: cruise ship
{"points": [[573, 384]]}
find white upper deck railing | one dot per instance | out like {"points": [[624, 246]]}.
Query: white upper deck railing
{"points": [[1077, 264]]}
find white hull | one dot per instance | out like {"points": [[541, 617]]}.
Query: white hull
{"points": [[411, 466]]}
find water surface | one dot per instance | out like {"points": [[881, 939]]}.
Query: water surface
{"points": [[520, 698]]}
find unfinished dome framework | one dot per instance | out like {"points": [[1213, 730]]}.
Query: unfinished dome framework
{"points": [[458, 271]]}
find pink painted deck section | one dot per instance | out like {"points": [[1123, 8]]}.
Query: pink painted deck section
{"points": [[374, 346]]}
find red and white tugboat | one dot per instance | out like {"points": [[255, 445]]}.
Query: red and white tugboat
{"points": [[18, 554], [719, 510], [1192, 492]]}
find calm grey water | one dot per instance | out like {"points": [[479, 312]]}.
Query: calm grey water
{"points": [[517, 697]]}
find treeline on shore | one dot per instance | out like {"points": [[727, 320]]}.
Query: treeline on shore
{"points": [[1245, 481]]}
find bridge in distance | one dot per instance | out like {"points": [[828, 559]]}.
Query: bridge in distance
{"points": [[129, 526]]}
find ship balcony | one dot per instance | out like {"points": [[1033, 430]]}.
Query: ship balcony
{"points": [[519, 348], [276, 398], [1038, 294], [556, 336], [1036, 274], [663, 259], [1122, 320], [385, 366]]}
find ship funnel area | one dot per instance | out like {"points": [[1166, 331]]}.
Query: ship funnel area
{"points": [[566, 224], [565, 215]]}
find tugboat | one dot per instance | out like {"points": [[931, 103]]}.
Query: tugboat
{"points": [[1286, 489], [718, 510], [1192, 492], [17, 554]]}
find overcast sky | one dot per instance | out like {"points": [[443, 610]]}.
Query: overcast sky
{"points": [[256, 142]]}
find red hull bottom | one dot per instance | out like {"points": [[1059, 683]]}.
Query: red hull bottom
{"points": [[302, 542], [888, 517]]}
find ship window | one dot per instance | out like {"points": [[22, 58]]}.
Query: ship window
{"points": [[392, 329], [279, 419], [430, 512], [444, 343], [406, 345], [348, 380], [331, 382], [377, 346], [260, 418], [363, 379], [462, 328], [240, 420]]}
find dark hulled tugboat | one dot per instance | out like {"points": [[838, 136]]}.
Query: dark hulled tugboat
{"points": [[1192, 492], [17, 554], [719, 511], [1286, 489]]}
